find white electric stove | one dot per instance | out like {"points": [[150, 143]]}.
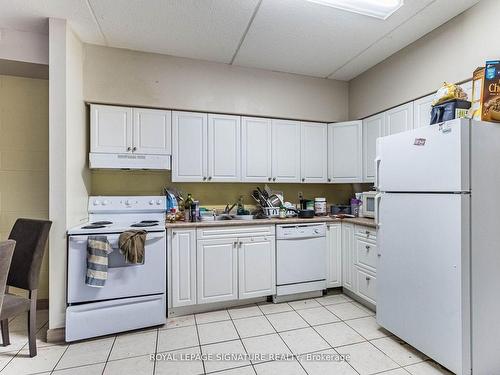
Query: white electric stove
{"points": [[134, 295]]}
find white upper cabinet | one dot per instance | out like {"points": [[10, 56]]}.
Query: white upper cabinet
{"points": [[373, 128], [285, 151], [256, 162], [111, 129], [399, 119], [422, 111], [189, 153], [313, 151], [224, 135], [344, 152], [152, 131]]}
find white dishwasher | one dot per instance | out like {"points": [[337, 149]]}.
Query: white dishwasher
{"points": [[301, 258]]}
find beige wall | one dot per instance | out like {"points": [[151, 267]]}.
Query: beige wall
{"points": [[127, 77], [449, 53], [24, 156], [212, 194]]}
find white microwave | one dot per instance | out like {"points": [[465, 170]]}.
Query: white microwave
{"points": [[368, 206]]}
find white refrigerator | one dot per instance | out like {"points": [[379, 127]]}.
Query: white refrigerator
{"points": [[438, 216]]}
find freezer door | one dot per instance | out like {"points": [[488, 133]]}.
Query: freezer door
{"points": [[423, 274], [430, 159]]}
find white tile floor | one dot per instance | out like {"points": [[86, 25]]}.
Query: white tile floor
{"points": [[330, 325]]}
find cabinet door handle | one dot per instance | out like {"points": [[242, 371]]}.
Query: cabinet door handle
{"points": [[129, 148], [368, 278], [209, 178], [303, 179], [329, 180], [274, 178], [204, 178], [235, 243], [134, 149], [240, 243], [269, 179], [367, 247]]}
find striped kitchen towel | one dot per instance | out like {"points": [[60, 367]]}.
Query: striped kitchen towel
{"points": [[98, 249]]}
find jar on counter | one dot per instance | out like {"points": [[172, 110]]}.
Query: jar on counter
{"points": [[320, 206]]}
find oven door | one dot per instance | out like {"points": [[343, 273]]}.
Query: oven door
{"points": [[124, 279]]}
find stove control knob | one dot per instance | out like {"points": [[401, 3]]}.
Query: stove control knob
{"points": [[316, 231], [158, 202], [97, 203], [128, 203], [151, 202], [104, 203]]}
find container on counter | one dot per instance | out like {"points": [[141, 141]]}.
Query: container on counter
{"points": [[355, 206], [283, 211], [320, 206], [195, 211], [308, 204]]}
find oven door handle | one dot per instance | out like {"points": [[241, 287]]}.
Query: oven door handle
{"points": [[113, 238]]}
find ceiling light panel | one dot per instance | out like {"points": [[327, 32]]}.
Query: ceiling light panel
{"points": [[374, 8]]}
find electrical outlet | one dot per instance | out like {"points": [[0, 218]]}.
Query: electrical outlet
{"points": [[300, 195]]}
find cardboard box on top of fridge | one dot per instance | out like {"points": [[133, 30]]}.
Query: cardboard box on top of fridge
{"points": [[490, 98], [477, 93]]}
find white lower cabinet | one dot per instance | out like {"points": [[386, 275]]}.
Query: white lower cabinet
{"points": [[334, 253], [359, 261], [348, 280], [256, 266], [216, 264], [182, 259], [365, 263], [217, 270], [366, 284]]}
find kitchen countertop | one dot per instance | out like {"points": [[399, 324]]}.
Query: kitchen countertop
{"points": [[317, 219]]}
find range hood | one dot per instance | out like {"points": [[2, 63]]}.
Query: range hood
{"points": [[129, 161]]}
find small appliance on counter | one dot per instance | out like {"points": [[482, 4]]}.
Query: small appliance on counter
{"points": [[368, 207], [340, 209]]}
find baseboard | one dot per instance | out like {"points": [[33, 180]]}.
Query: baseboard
{"points": [[42, 304], [56, 335], [359, 299]]}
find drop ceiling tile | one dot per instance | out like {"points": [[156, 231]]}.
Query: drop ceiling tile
{"points": [[31, 15], [431, 17], [207, 30], [302, 37]]}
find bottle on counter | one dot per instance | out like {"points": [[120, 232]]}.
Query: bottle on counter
{"points": [[187, 207], [195, 211]]}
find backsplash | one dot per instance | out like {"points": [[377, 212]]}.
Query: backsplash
{"points": [[211, 194]]}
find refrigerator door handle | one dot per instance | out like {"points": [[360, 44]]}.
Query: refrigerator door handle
{"points": [[377, 167], [378, 198]]}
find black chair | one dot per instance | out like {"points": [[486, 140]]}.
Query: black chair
{"points": [[6, 251], [31, 237]]}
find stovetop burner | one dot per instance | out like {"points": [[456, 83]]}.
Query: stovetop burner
{"points": [[144, 224], [101, 222], [93, 226]]}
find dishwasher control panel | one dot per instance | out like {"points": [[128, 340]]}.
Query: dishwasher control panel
{"points": [[293, 231]]}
